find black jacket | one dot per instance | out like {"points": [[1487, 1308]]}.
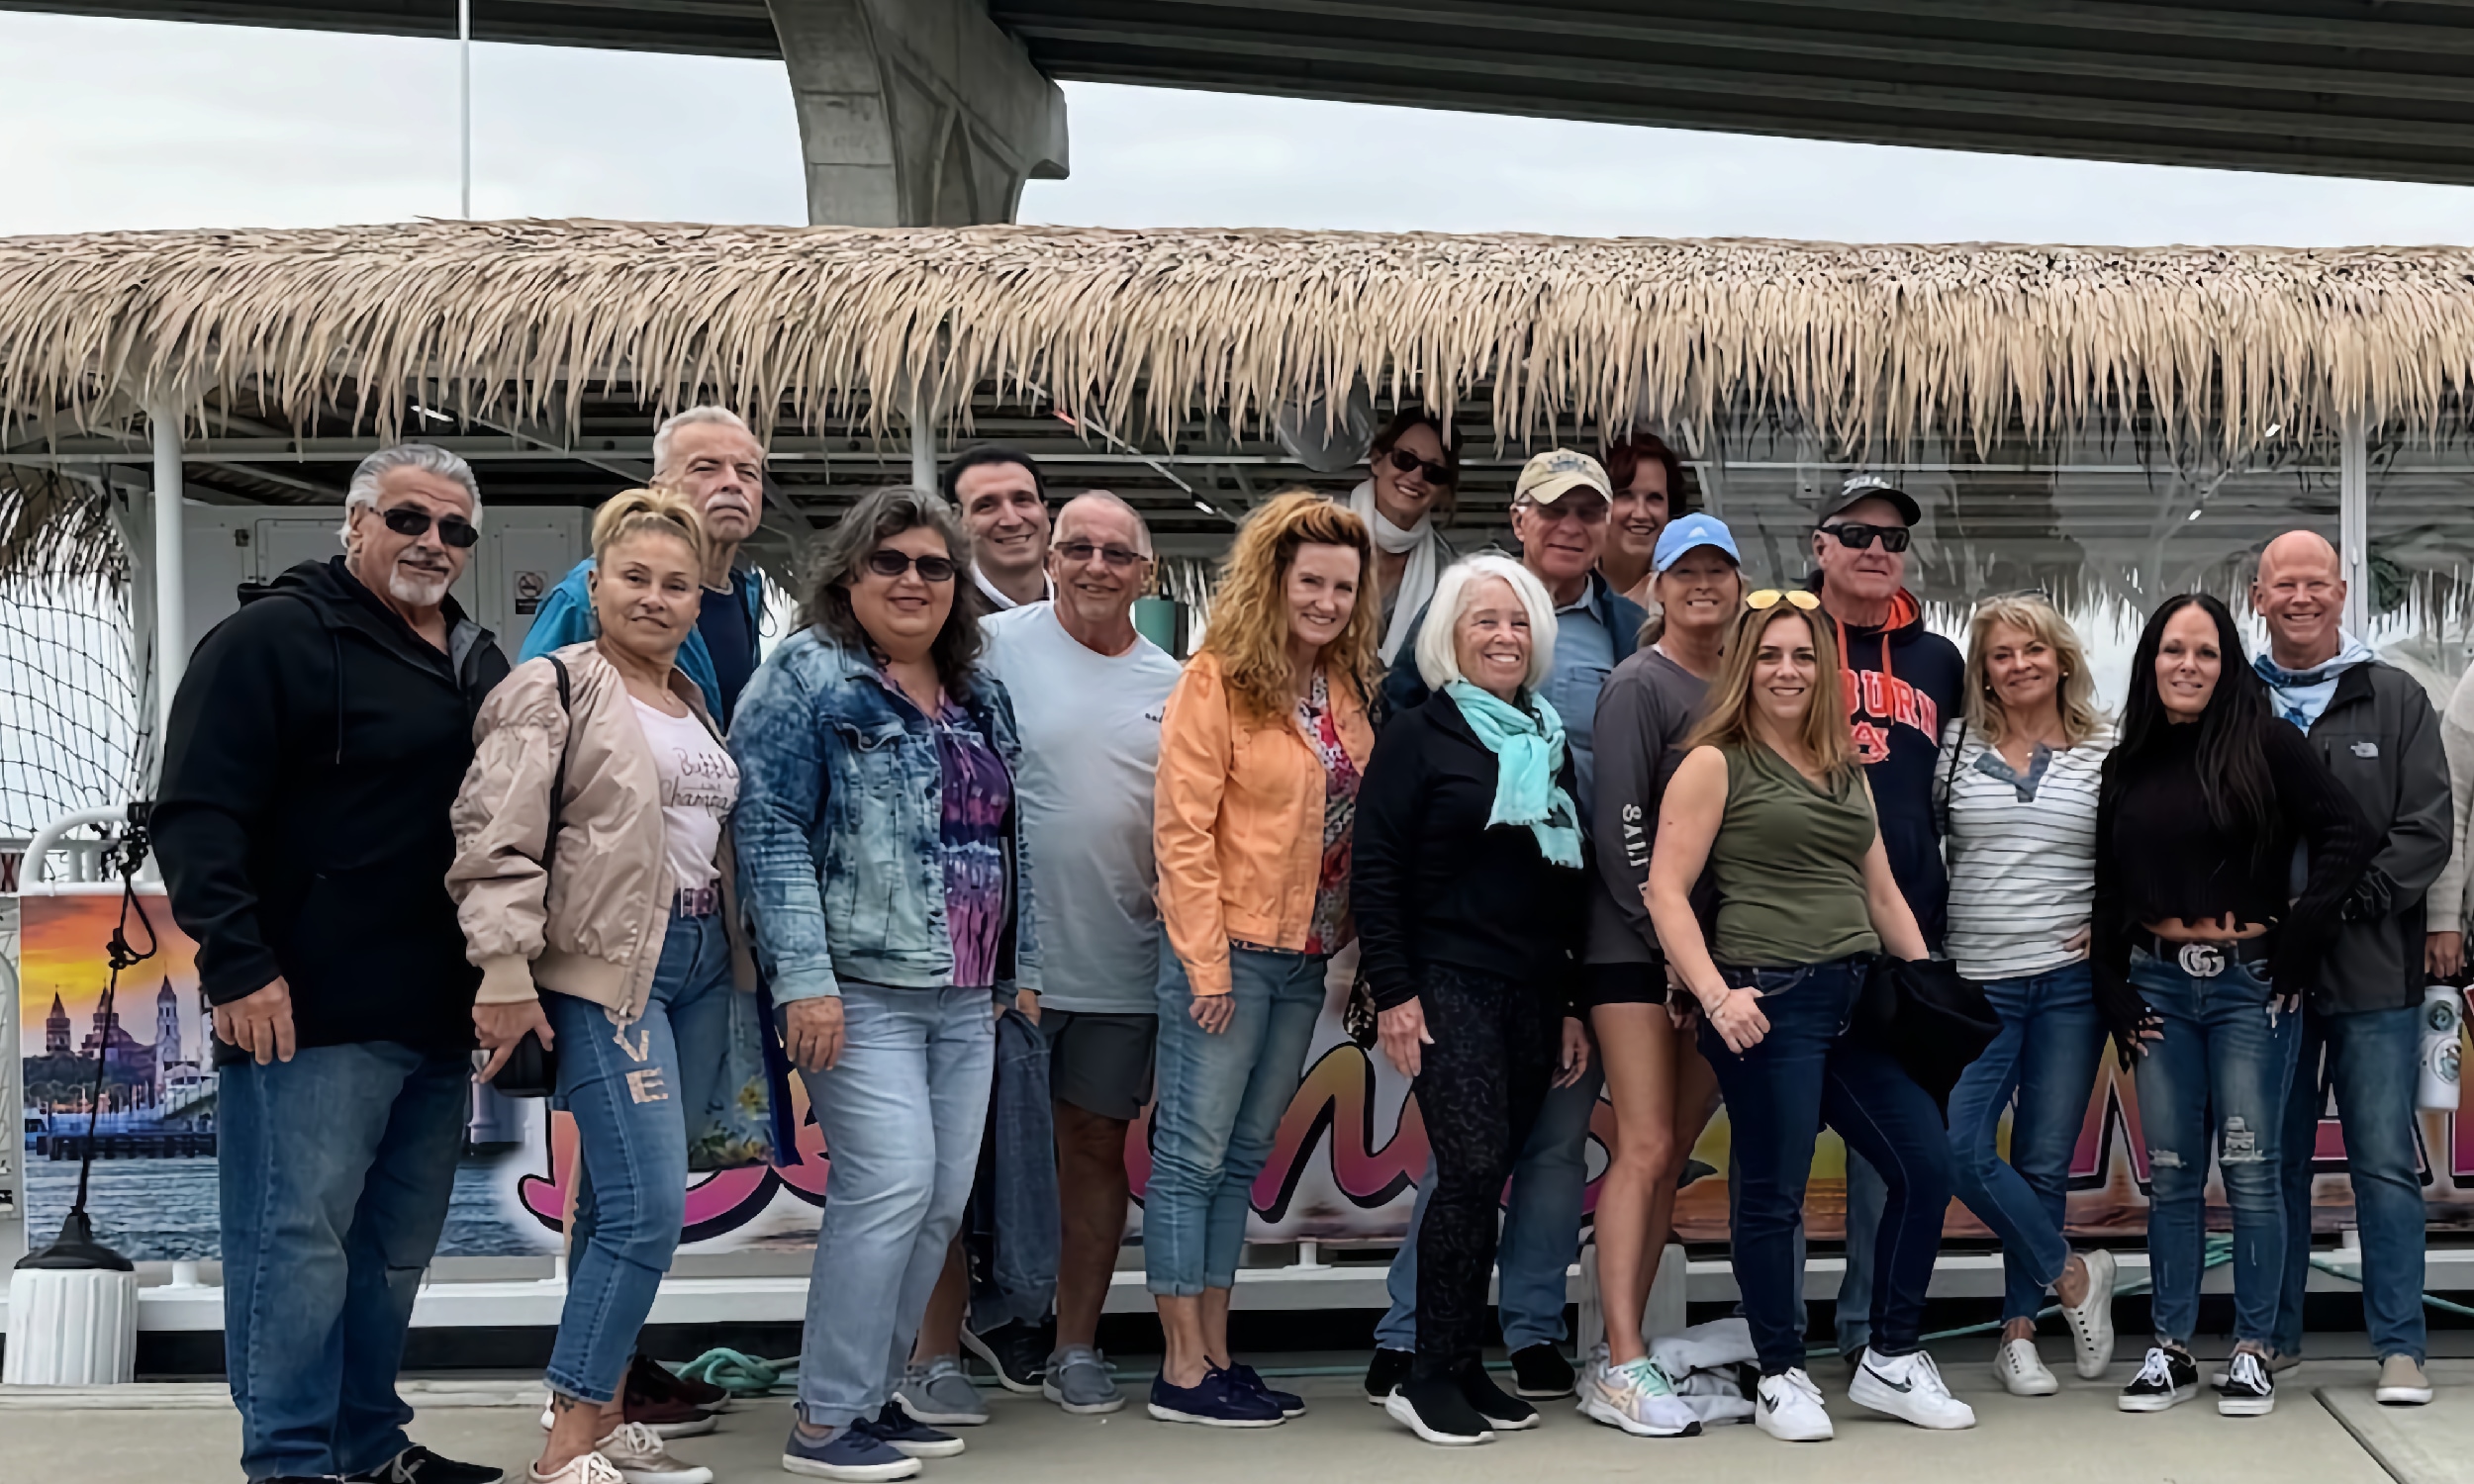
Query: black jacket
{"points": [[314, 745], [1429, 882], [2381, 741], [1902, 683]]}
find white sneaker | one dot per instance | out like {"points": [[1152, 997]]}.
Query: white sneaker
{"points": [[640, 1457], [1638, 1398], [2021, 1370], [587, 1468], [2091, 1318], [1790, 1409], [1909, 1388], [2403, 1383]]}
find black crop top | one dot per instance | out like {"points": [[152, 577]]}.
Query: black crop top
{"points": [[2158, 856]]}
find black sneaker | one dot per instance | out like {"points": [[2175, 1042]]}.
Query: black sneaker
{"points": [[1435, 1410], [1505, 1413], [910, 1437], [1540, 1371], [1385, 1372], [419, 1465], [1289, 1402], [2247, 1389], [2168, 1377], [1016, 1352]]}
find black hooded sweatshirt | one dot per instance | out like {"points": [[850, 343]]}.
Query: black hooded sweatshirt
{"points": [[1902, 683], [314, 745]]}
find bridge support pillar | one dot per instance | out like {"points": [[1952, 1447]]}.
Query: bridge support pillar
{"points": [[916, 113]]}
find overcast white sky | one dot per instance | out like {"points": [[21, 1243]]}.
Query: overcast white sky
{"points": [[123, 123]]}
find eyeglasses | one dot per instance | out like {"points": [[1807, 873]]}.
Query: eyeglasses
{"points": [[1856, 535], [410, 521], [884, 561], [1770, 598], [1409, 463], [1118, 558]]}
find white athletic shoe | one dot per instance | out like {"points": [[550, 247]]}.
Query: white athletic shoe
{"points": [[2021, 1370], [640, 1457], [2091, 1318], [1909, 1388], [587, 1468], [1790, 1410], [1638, 1398]]}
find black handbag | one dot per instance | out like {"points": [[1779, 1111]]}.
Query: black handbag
{"points": [[1930, 1018], [531, 1069]]}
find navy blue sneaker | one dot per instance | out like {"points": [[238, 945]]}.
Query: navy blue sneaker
{"points": [[911, 1436], [1219, 1400], [854, 1455], [1289, 1402]]}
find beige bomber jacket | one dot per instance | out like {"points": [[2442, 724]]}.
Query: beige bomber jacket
{"points": [[599, 934]]}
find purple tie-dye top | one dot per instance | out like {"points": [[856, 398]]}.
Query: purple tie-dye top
{"points": [[977, 792]]}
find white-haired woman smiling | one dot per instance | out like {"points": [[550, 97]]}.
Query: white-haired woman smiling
{"points": [[1466, 884]]}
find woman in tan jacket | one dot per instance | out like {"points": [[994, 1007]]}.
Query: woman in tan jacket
{"points": [[610, 943], [1260, 754]]}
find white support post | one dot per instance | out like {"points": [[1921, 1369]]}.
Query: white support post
{"points": [[463, 96], [2353, 524], [922, 439], [171, 641]]}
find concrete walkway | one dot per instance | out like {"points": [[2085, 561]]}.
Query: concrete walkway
{"points": [[2068, 1438]]}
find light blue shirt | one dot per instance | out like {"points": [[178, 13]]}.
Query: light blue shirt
{"points": [[1584, 656]]}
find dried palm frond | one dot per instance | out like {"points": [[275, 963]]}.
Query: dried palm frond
{"points": [[54, 528]]}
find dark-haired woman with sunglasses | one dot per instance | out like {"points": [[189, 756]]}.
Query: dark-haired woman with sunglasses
{"points": [[2201, 948], [1412, 468], [881, 854]]}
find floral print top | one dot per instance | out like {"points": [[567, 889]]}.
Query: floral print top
{"points": [[1328, 931]]}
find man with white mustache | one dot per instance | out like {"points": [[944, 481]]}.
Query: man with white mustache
{"points": [[314, 745]]}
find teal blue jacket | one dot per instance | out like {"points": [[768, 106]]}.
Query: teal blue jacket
{"points": [[566, 617]]}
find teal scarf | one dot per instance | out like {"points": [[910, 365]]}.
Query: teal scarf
{"points": [[1528, 747]]}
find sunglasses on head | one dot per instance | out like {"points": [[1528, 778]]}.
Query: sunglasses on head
{"points": [[884, 561], [1770, 598], [408, 520], [1856, 535], [1118, 558], [1409, 463]]}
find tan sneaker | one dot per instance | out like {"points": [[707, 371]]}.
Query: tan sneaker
{"points": [[640, 1457], [582, 1469], [2403, 1383]]}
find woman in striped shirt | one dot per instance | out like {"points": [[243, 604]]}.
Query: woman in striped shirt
{"points": [[2017, 794]]}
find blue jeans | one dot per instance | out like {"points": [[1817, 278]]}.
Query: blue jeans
{"points": [[2226, 1055], [1778, 1094], [902, 1114], [2045, 1053], [334, 1170], [633, 1089], [1220, 1102], [1541, 1228], [2368, 1060], [1012, 1229]]}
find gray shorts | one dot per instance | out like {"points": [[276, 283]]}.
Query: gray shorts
{"points": [[1100, 1063]]}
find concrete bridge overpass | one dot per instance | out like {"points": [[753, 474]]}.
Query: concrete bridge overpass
{"points": [[934, 112]]}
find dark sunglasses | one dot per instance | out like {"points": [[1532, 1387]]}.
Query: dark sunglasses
{"points": [[455, 531], [1118, 558], [1409, 463], [884, 561], [1856, 535]]}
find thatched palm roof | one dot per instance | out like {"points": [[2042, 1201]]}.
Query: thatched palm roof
{"points": [[1858, 342]]}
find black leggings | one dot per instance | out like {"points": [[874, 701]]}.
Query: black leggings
{"points": [[1479, 1089]]}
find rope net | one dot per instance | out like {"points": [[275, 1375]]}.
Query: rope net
{"points": [[73, 733]]}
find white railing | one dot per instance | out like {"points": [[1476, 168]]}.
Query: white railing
{"points": [[82, 859]]}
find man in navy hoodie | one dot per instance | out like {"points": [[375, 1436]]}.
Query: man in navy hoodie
{"points": [[1900, 683]]}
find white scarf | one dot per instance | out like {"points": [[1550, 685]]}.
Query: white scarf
{"points": [[1417, 582]]}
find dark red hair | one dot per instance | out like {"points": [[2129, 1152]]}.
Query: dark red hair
{"points": [[1623, 460]]}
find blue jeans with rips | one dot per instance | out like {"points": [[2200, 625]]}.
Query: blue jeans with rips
{"points": [[334, 1170], [2217, 1080], [1220, 1101], [1541, 1228], [2046, 1056], [634, 1090], [2367, 1060], [903, 1113]]}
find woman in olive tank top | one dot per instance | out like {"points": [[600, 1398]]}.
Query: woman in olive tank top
{"points": [[1773, 801]]}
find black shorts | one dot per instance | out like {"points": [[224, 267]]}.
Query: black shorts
{"points": [[1100, 1063], [1622, 985]]}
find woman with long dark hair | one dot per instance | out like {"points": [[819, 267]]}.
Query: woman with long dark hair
{"points": [[2201, 952]]}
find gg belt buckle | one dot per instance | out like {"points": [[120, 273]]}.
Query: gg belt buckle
{"points": [[2202, 961]]}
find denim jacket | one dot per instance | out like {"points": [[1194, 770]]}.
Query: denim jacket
{"points": [[838, 826]]}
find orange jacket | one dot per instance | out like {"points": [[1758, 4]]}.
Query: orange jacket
{"points": [[1237, 822]]}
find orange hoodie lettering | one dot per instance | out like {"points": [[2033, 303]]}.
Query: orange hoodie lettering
{"points": [[1876, 703]]}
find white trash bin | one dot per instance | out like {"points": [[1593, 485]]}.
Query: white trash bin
{"points": [[72, 1314]]}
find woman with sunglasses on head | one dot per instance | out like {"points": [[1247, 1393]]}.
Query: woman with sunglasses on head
{"points": [[1261, 753], [2016, 797], [1412, 468], [1661, 1090], [2201, 948], [610, 943], [880, 853], [1771, 798]]}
